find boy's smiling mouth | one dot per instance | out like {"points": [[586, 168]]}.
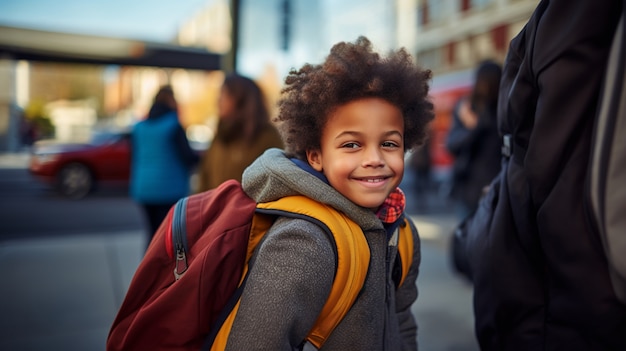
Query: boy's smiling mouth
{"points": [[372, 180]]}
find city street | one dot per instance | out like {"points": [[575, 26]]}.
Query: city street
{"points": [[444, 306], [53, 303]]}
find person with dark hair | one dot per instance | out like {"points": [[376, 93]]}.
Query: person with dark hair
{"points": [[347, 124], [474, 140], [161, 160], [244, 131]]}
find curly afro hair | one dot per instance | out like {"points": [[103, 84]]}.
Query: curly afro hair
{"points": [[352, 71]]}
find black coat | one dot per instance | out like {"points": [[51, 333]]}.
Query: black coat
{"points": [[540, 275], [477, 156]]}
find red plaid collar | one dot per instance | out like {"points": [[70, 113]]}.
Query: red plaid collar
{"points": [[393, 207]]}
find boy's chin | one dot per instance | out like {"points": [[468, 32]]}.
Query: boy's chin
{"points": [[372, 205]]}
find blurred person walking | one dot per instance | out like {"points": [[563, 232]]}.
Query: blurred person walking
{"points": [[420, 162], [540, 272], [244, 132], [161, 160], [473, 139]]}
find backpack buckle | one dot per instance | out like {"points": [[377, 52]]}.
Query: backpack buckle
{"points": [[507, 145]]}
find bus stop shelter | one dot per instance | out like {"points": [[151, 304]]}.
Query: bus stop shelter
{"points": [[18, 44]]}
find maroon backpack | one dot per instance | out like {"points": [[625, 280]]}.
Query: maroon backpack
{"points": [[154, 312]]}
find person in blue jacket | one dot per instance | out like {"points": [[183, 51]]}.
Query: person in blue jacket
{"points": [[161, 160]]}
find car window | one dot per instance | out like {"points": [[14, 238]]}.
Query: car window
{"points": [[103, 138]]}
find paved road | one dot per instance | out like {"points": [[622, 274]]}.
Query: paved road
{"points": [[29, 209]]}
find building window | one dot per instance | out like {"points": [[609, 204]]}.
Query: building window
{"points": [[431, 59], [499, 37], [422, 14], [480, 4], [432, 11], [436, 10], [451, 54], [465, 5]]}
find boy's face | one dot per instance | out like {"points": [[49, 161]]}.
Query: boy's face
{"points": [[362, 150]]}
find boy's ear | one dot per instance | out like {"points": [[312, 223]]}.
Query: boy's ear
{"points": [[314, 157]]}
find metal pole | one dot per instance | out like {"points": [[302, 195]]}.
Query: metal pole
{"points": [[229, 60]]}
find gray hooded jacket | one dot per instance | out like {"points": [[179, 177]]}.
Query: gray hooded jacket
{"points": [[293, 270]]}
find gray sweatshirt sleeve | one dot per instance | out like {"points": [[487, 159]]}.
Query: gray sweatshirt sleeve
{"points": [[291, 276]]}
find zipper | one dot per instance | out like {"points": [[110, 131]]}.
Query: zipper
{"points": [[179, 232]]}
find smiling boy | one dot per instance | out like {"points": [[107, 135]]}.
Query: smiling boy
{"points": [[362, 151], [346, 125]]}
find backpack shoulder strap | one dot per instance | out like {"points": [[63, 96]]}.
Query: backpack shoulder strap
{"points": [[607, 164], [406, 246], [353, 258]]}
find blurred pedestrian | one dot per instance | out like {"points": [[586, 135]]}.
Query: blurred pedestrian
{"points": [[421, 163], [244, 132], [541, 278], [28, 132], [161, 160], [473, 139]]}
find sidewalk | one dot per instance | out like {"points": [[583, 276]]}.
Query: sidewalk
{"points": [[63, 293], [14, 159]]}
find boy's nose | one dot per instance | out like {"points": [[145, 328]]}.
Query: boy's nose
{"points": [[373, 158]]}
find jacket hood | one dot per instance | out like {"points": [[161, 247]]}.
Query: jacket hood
{"points": [[273, 176]]}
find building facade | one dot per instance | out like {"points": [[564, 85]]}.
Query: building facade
{"points": [[451, 38], [454, 35]]}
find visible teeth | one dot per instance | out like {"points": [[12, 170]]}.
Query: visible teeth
{"points": [[373, 180]]}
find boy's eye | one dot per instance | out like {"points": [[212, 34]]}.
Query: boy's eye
{"points": [[390, 144], [350, 145]]}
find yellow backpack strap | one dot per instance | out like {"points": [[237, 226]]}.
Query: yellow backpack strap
{"points": [[353, 258], [405, 247]]}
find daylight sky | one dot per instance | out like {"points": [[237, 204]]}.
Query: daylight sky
{"points": [[316, 24], [150, 20]]}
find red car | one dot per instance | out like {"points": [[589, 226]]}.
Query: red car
{"points": [[75, 169]]}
